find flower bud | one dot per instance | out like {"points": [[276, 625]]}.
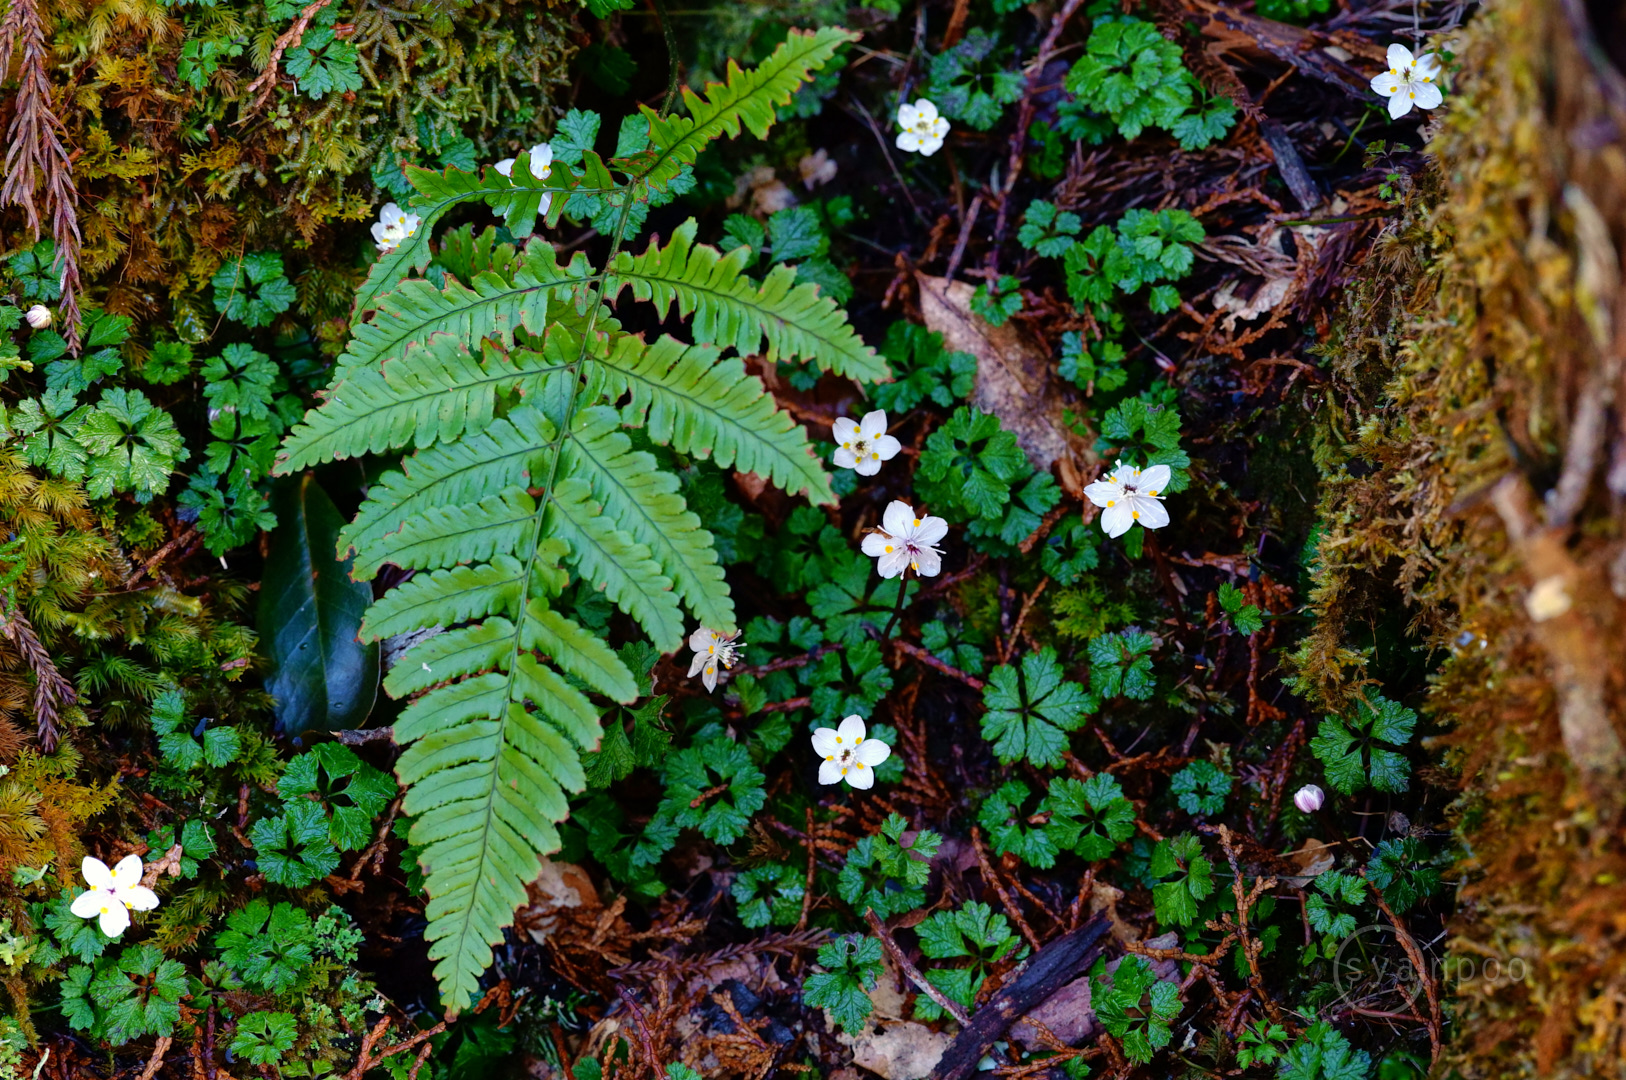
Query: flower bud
{"points": [[1309, 798], [39, 316]]}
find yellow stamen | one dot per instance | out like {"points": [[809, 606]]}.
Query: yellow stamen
{"points": [[889, 549], [1135, 515], [917, 523]]}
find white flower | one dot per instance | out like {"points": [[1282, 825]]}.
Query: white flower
{"points": [[1309, 798], [1130, 495], [113, 893], [392, 227], [906, 541], [848, 755], [38, 316], [710, 649], [540, 157], [922, 129], [1409, 81], [864, 445]]}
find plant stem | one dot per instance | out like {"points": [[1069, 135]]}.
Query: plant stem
{"points": [[897, 611]]}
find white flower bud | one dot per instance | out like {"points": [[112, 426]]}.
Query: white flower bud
{"points": [[1309, 798], [39, 316]]}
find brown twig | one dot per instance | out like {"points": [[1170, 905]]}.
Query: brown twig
{"points": [[812, 867], [362, 736], [1011, 907], [52, 692], [645, 1039], [917, 653], [34, 145], [266, 82], [1415, 955], [156, 1061], [160, 555], [909, 970]]}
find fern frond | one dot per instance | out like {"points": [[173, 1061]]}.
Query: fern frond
{"points": [[644, 502], [748, 97], [506, 454], [489, 761], [614, 562], [446, 597], [730, 309], [472, 532], [511, 196], [702, 406]]}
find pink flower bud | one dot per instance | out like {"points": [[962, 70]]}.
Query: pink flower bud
{"points": [[1309, 798], [39, 316]]}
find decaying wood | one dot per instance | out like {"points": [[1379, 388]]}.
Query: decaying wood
{"points": [[1051, 968]]}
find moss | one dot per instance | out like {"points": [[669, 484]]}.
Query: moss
{"points": [[1458, 361]]}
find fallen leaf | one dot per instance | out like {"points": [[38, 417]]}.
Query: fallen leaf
{"points": [[1312, 859], [560, 886], [1015, 379], [906, 1051]]}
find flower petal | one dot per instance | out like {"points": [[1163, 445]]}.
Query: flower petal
{"points": [[1103, 491], [925, 110], [907, 115], [845, 430], [1152, 512], [1386, 83], [844, 458], [1428, 65], [873, 426], [908, 140], [88, 904], [928, 147], [891, 564], [886, 446], [829, 772], [96, 873], [697, 663], [875, 545], [1155, 479], [709, 677], [824, 742], [928, 563], [140, 897], [1399, 56], [899, 518], [851, 730], [115, 920], [932, 529], [860, 776], [868, 465], [701, 638], [872, 752], [505, 166], [1400, 105], [128, 872], [1429, 96], [1116, 520]]}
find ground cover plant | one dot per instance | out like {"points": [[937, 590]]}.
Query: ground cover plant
{"points": [[910, 539]]}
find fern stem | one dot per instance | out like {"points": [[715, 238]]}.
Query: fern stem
{"points": [[671, 58]]}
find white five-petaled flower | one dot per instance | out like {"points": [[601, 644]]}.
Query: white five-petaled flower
{"points": [[921, 129], [864, 445], [710, 650], [541, 165], [39, 316], [907, 541], [848, 755], [1409, 81], [113, 893], [392, 227], [1130, 495]]}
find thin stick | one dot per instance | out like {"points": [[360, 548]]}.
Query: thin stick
{"points": [[917, 653], [812, 865], [903, 590], [912, 972], [1415, 955], [999, 887]]}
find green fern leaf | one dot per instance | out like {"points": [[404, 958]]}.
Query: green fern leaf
{"points": [[749, 97], [505, 455], [645, 503], [446, 596], [615, 562], [431, 394], [701, 406], [729, 309]]}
